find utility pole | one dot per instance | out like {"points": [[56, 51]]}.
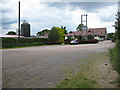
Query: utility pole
{"points": [[81, 28], [16, 35], [86, 29], [17, 41], [85, 26], [19, 20]]}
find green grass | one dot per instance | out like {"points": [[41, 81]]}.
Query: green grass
{"points": [[115, 56], [115, 59], [27, 46], [77, 81], [84, 77], [23, 46], [118, 81], [88, 72]]}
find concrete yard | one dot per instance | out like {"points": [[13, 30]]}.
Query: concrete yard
{"points": [[42, 66]]}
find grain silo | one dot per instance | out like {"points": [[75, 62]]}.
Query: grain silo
{"points": [[119, 6], [25, 29]]}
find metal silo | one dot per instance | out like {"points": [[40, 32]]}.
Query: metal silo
{"points": [[25, 29]]}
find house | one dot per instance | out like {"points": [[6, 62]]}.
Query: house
{"points": [[46, 35], [97, 33]]}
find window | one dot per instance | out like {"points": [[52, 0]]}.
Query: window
{"points": [[89, 31]]}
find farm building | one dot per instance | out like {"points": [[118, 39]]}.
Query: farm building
{"points": [[97, 33]]}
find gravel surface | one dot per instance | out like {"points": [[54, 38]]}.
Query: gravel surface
{"points": [[42, 66]]}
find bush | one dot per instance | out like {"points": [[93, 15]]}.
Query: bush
{"points": [[12, 42], [82, 41], [115, 56], [90, 37], [56, 34], [52, 42], [87, 41], [92, 41], [115, 52], [67, 42], [37, 43], [69, 39]]}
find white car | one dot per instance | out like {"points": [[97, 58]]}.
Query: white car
{"points": [[101, 39], [74, 42]]}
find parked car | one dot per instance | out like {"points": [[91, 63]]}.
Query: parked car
{"points": [[74, 42], [109, 39], [101, 39]]}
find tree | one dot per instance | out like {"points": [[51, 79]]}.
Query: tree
{"points": [[116, 36], [110, 35], [43, 32], [90, 37], [11, 33], [117, 26], [56, 34], [64, 28], [115, 52], [79, 37], [79, 28]]}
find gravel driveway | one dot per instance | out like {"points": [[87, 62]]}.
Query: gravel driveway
{"points": [[42, 66]]}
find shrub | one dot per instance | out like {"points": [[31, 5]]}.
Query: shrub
{"points": [[87, 41], [92, 41], [67, 42], [115, 52], [114, 58], [56, 34], [52, 42], [90, 37], [12, 42]]}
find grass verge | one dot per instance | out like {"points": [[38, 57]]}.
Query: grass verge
{"points": [[94, 71], [115, 59], [29, 46], [77, 81]]}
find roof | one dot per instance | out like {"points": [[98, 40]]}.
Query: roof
{"points": [[12, 36], [46, 35], [90, 31]]}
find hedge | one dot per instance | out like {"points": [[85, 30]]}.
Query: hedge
{"points": [[12, 42], [82, 41], [115, 56]]}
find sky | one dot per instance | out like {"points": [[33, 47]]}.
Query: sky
{"points": [[44, 15]]}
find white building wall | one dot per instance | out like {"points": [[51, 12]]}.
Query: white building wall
{"points": [[97, 37]]}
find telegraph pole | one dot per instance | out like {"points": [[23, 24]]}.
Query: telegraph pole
{"points": [[19, 20], [81, 27], [18, 24], [85, 26], [17, 35], [86, 29]]}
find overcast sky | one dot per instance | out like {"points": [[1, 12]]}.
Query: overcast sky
{"points": [[45, 15]]}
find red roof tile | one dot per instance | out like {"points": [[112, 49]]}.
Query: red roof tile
{"points": [[46, 34], [90, 31]]}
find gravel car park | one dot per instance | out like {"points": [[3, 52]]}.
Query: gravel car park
{"points": [[41, 66]]}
